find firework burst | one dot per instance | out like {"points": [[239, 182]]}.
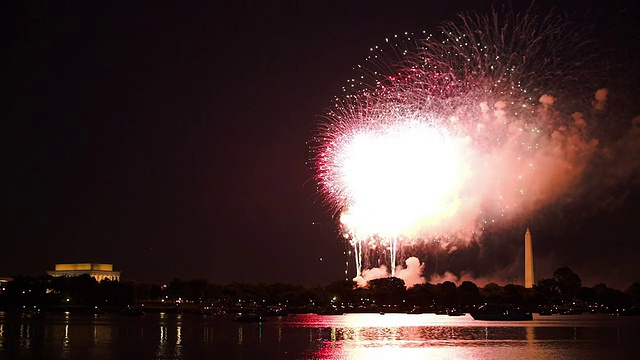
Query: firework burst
{"points": [[441, 135]]}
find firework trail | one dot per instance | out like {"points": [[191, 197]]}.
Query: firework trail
{"points": [[441, 136]]}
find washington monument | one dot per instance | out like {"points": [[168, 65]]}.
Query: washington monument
{"points": [[528, 261]]}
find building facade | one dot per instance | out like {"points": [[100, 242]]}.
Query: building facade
{"points": [[97, 271]]}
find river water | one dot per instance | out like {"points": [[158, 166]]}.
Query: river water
{"points": [[350, 336]]}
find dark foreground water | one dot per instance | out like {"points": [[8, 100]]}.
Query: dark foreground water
{"points": [[351, 336]]}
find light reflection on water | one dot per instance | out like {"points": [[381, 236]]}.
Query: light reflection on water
{"points": [[170, 337], [367, 336], [351, 336]]}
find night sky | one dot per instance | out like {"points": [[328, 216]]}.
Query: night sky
{"points": [[172, 141]]}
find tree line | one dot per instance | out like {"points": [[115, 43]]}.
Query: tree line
{"points": [[563, 289]]}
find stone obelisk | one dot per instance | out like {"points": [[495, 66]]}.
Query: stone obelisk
{"points": [[528, 261]]}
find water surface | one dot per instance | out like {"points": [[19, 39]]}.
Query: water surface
{"points": [[350, 336]]}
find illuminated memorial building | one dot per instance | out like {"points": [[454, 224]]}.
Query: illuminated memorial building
{"points": [[97, 271]]}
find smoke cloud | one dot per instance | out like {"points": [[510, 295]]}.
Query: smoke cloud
{"points": [[411, 274]]}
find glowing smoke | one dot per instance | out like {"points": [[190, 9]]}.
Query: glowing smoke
{"points": [[455, 134], [412, 273], [371, 274]]}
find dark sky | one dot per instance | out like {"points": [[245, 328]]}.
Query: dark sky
{"points": [[171, 141]]}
